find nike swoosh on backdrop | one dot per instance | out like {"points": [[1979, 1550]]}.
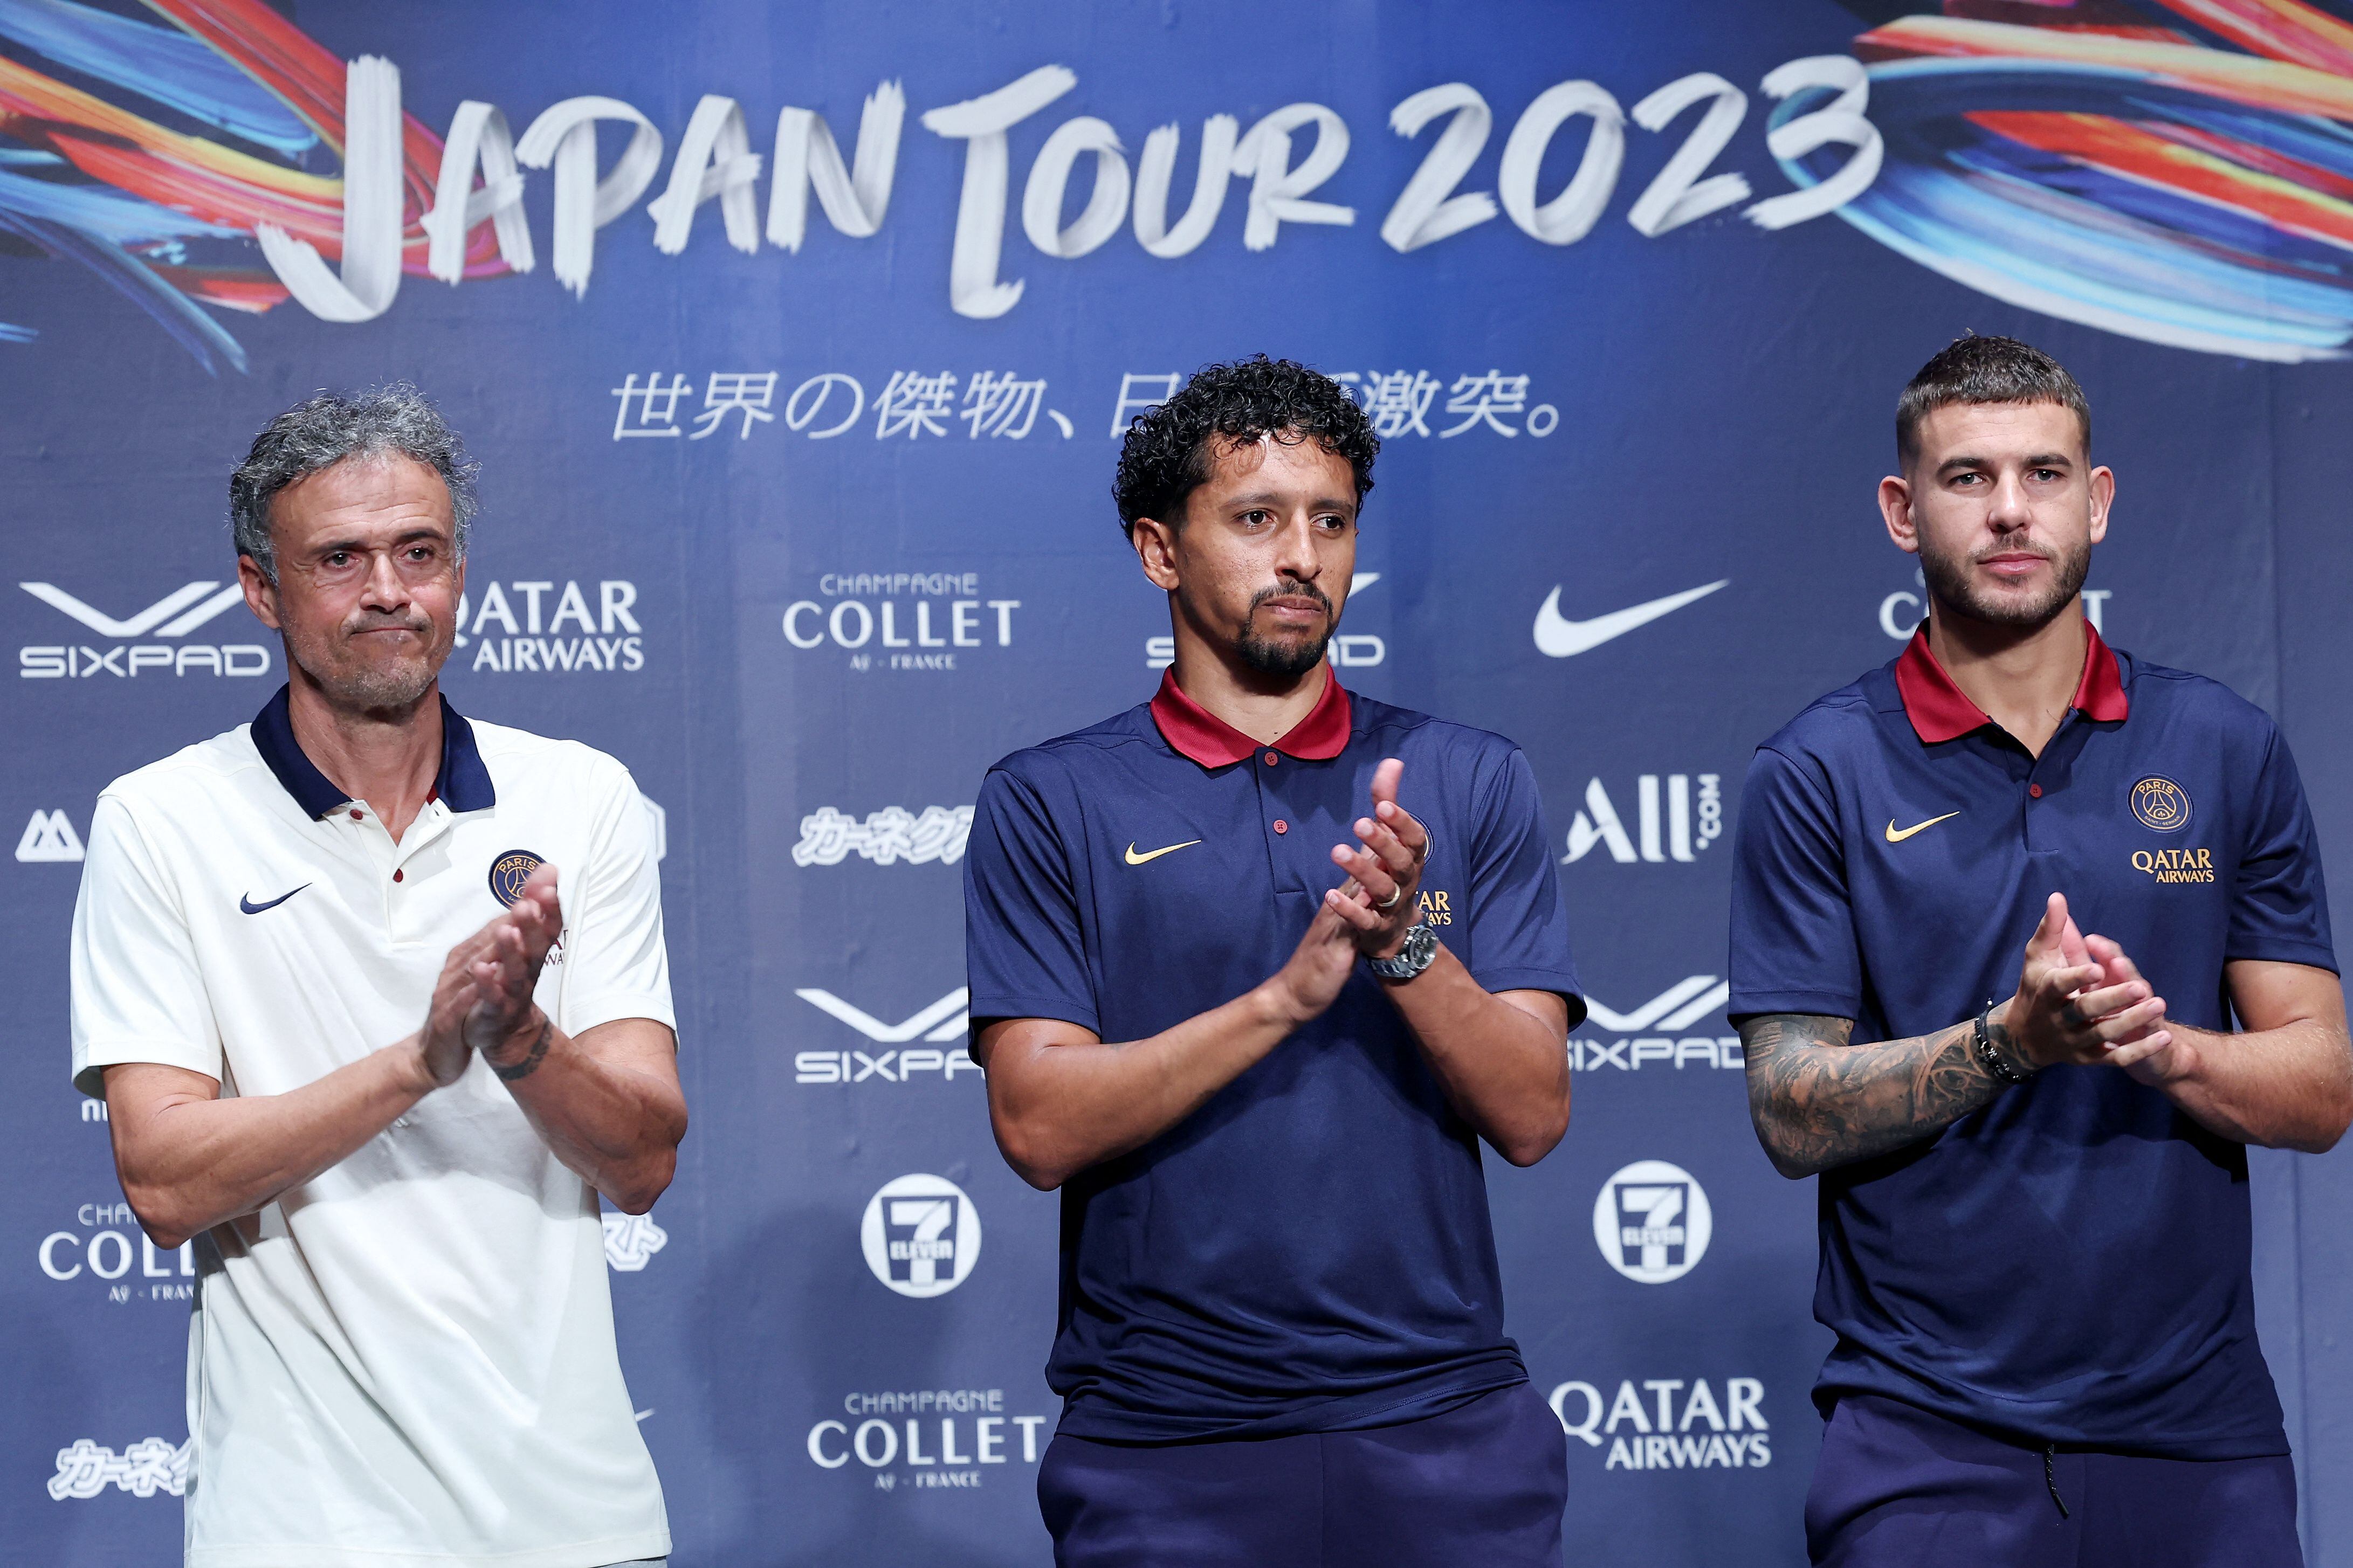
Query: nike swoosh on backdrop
{"points": [[1135, 860], [249, 907], [1559, 636], [1893, 836]]}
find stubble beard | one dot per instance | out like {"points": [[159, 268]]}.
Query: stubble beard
{"points": [[1949, 583], [369, 686]]}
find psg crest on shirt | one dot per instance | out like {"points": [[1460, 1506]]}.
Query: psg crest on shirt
{"points": [[508, 872], [2161, 804]]}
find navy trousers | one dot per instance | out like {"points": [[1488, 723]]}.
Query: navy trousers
{"points": [[1899, 1487], [1482, 1485]]}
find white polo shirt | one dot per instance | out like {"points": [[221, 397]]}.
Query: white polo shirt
{"points": [[408, 1360]]}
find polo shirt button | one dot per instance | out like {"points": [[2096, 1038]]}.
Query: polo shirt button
{"points": [[398, 876], [1271, 758], [357, 814], [2034, 789], [1281, 826]]}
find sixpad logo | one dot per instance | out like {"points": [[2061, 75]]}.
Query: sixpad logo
{"points": [[944, 1023], [922, 1236], [530, 629], [1658, 1033], [146, 643], [1652, 1222]]}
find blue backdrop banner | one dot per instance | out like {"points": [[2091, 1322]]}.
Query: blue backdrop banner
{"points": [[795, 344]]}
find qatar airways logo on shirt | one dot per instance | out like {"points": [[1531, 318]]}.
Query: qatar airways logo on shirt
{"points": [[539, 627]]}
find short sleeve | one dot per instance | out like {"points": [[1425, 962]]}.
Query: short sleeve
{"points": [[138, 995], [2279, 909], [616, 962], [1519, 931], [1793, 942], [1025, 956]]}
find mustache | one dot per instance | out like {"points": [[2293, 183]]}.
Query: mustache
{"points": [[1291, 591], [421, 625]]}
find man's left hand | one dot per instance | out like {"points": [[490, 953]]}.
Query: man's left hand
{"points": [[1387, 868], [507, 970], [2154, 1055]]}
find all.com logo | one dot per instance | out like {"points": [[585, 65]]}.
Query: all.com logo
{"points": [[1651, 1221], [922, 1236]]}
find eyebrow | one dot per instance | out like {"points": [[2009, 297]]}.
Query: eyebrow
{"points": [[330, 546], [2035, 460], [1258, 498]]}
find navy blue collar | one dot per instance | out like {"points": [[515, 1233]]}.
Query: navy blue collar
{"points": [[463, 783]]}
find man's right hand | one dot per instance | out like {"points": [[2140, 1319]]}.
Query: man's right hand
{"points": [[1312, 978], [2061, 1012], [442, 1047]]}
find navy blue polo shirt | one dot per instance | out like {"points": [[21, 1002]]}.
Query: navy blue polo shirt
{"points": [[1310, 1251], [2069, 1263]]}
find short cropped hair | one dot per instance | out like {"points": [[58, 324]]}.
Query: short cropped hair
{"points": [[326, 429], [1986, 370], [1167, 451]]}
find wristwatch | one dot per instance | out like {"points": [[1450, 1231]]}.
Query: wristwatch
{"points": [[1419, 950]]}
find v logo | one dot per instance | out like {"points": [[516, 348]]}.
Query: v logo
{"points": [[1679, 1007], [152, 616], [950, 1007]]}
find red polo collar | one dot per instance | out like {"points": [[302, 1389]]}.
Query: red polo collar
{"points": [[1214, 743], [1940, 711]]}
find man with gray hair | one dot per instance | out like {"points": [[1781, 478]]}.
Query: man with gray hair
{"points": [[355, 1044]]}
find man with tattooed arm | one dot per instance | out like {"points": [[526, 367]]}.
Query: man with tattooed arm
{"points": [[1996, 905]]}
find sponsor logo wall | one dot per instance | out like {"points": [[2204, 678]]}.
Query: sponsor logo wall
{"points": [[798, 401]]}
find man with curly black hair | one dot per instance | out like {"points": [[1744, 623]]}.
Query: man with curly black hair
{"points": [[1280, 1335]]}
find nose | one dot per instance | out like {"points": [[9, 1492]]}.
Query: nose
{"points": [[383, 589], [1295, 554], [2009, 510]]}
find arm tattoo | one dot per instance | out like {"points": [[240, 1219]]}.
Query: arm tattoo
{"points": [[532, 1058], [1818, 1102]]}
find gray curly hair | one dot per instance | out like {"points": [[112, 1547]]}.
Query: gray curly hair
{"points": [[328, 427]]}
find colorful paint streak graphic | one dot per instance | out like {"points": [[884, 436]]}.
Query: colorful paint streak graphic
{"points": [[127, 197], [2178, 171]]}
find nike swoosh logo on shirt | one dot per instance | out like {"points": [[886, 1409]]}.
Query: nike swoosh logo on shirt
{"points": [[1895, 837], [1559, 636], [1135, 860], [249, 907]]}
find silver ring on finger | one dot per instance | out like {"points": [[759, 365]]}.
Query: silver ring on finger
{"points": [[1385, 905]]}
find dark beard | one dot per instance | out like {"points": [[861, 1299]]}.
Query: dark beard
{"points": [[1948, 584], [1285, 660]]}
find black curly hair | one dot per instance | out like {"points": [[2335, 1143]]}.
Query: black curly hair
{"points": [[1166, 453]]}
